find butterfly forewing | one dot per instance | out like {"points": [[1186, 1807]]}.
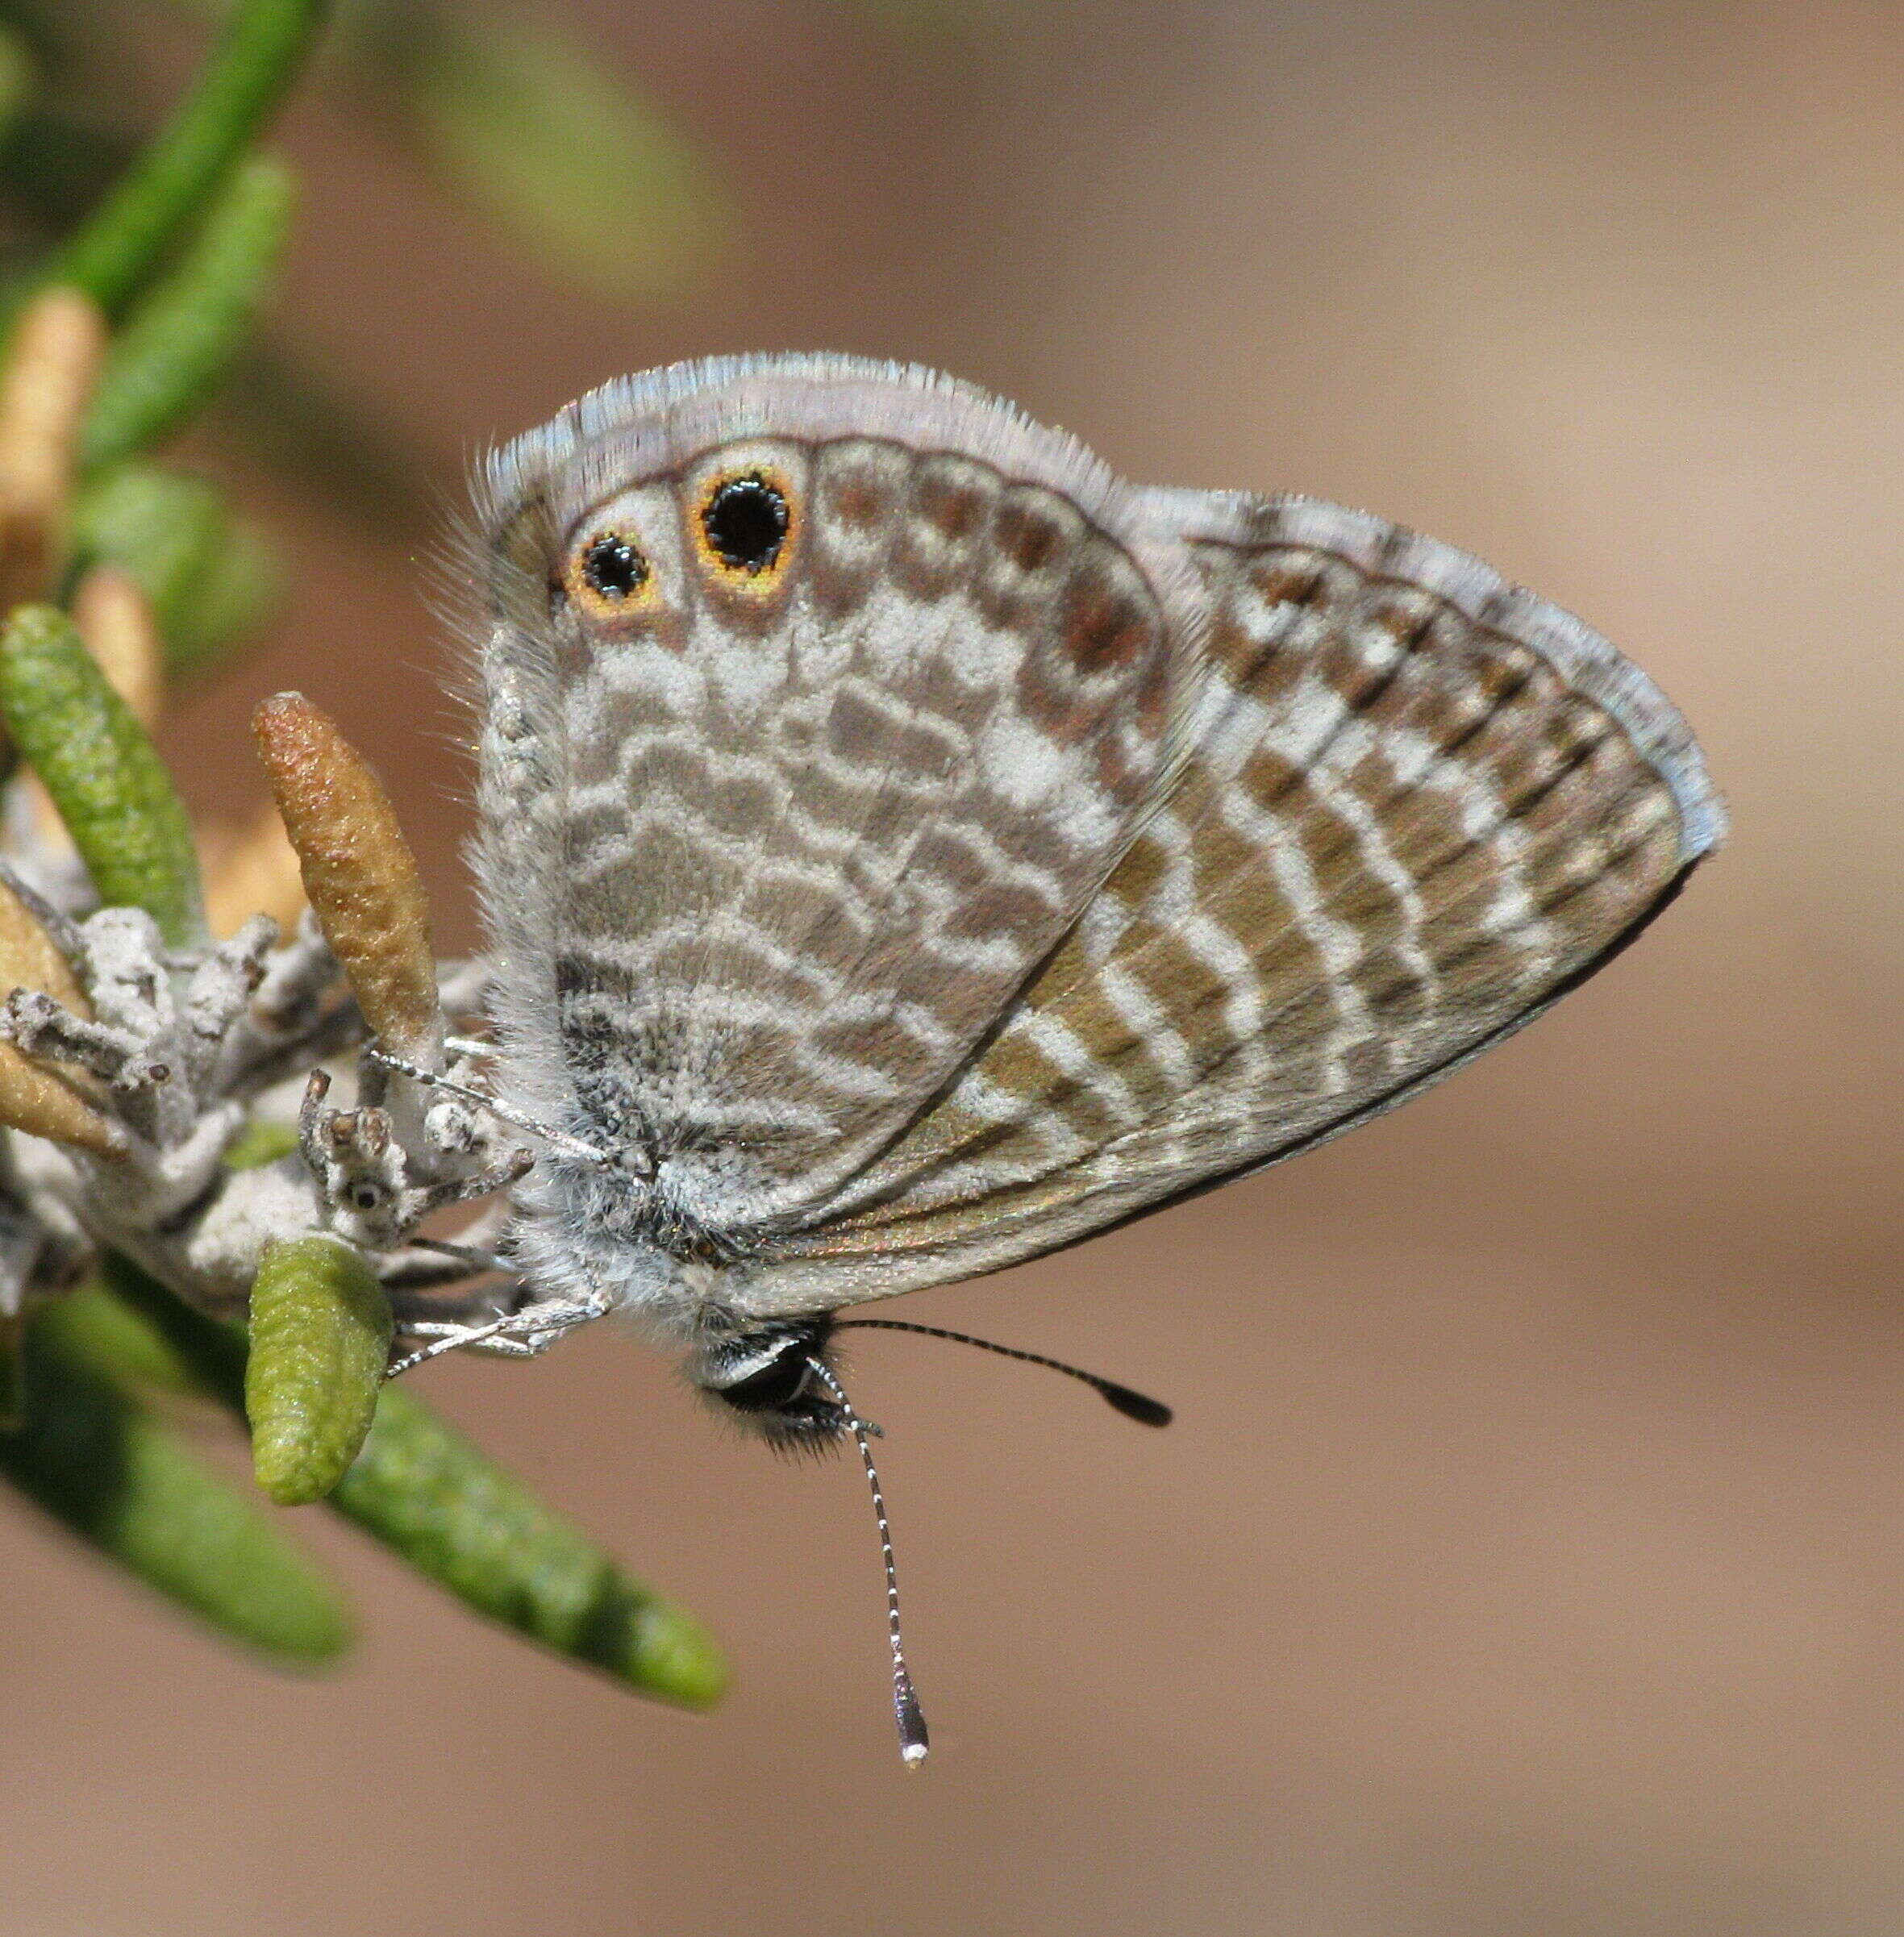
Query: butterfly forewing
{"points": [[816, 825]]}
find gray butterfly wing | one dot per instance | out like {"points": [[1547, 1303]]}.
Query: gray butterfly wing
{"points": [[766, 852], [1417, 805]]}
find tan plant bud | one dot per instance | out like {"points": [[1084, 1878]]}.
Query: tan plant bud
{"points": [[33, 1097], [249, 871], [358, 870], [31, 959], [37, 1101], [116, 619], [58, 342]]}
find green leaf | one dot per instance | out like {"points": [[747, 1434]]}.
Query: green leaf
{"points": [[425, 1491], [181, 338], [108, 782], [257, 57], [320, 1338], [98, 1328], [527, 123], [210, 578], [99, 1462], [16, 84], [260, 1143]]}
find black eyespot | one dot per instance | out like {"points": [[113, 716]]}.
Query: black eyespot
{"points": [[746, 521], [613, 566]]}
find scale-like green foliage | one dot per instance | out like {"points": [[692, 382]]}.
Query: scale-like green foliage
{"points": [[105, 777], [320, 1338], [98, 1461]]}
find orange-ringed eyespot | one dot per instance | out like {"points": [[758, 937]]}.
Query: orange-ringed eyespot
{"points": [[746, 521], [612, 567]]}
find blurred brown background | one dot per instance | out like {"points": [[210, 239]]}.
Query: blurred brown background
{"points": [[1529, 1555]]}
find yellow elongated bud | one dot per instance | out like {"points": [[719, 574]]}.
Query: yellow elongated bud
{"points": [[252, 870], [31, 959], [358, 870], [40, 1103], [116, 620], [58, 342], [32, 1098]]}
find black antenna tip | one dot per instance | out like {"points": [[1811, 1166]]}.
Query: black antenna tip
{"points": [[914, 1740], [1136, 1406]]}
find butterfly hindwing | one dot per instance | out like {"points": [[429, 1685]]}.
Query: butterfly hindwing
{"points": [[1417, 805]]}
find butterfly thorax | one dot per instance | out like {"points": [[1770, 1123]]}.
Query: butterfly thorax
{"points": [[605, 1236]]}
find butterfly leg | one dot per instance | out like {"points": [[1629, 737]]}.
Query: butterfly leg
{"points": [[533, 1329], [433, 1314], [499, 1348]]}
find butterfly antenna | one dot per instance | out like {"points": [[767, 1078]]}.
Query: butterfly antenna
{"points": [[913, 1741], [1131, 1404]]}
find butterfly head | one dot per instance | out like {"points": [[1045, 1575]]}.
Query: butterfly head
{"points": [[769, 1377]]}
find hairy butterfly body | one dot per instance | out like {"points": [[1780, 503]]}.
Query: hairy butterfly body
{"points": [[908, 848]]}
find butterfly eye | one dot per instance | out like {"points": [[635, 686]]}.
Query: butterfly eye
{"points": [[745, 521], [774, 1387]]}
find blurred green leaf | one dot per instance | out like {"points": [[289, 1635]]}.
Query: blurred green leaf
{"points": [[182, 336], [177, 172], [99, 1462], [211, 579], [99, 1328], [104, 774], [16, 83], [530, 125], [261, 1143]]}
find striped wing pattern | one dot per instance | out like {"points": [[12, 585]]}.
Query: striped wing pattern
{"points": [[1419, 805], [812, 834]]}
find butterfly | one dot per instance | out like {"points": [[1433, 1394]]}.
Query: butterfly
{"points": [[907, 849]]}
